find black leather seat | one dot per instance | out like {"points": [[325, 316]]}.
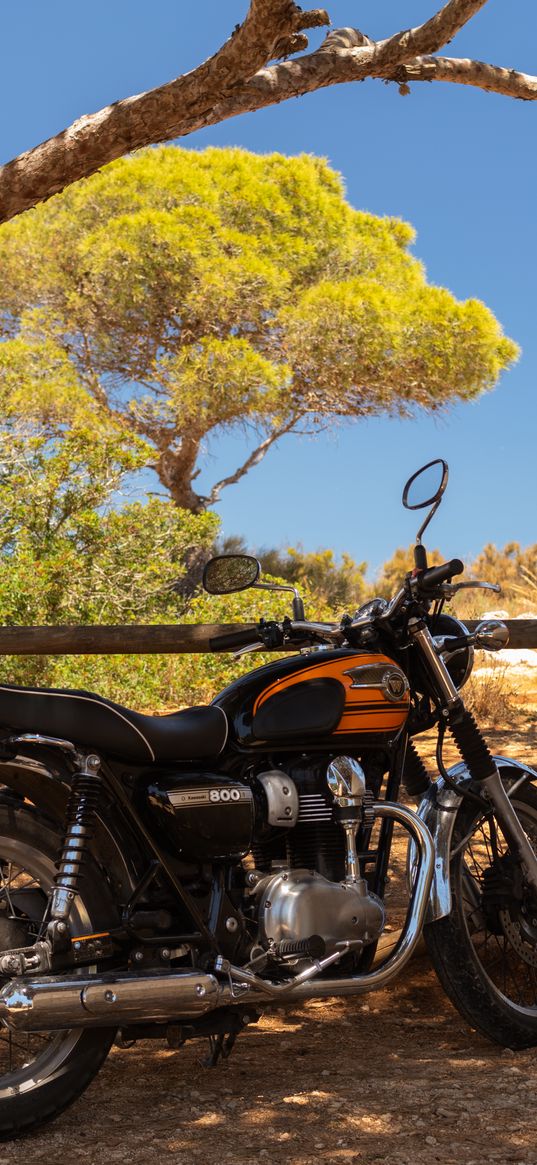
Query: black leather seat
{"points": [[91, 721]]}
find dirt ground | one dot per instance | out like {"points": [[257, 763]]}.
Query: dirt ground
{"points": [[394, 1076]]}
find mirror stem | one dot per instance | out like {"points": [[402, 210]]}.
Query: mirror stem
{"points": [[430, 515], [298, 604]]}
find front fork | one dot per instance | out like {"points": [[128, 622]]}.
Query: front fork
{"points": [[473, 749]]}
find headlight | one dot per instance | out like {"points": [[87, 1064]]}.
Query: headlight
{"points": [[461, 662]]}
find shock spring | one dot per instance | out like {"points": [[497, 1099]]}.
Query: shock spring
{"points": [[80, 818]]}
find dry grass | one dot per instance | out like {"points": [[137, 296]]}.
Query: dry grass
{"points": [[525, 592], [496, 696]]}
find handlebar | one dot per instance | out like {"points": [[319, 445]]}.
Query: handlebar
{"points": [[274, 636]]}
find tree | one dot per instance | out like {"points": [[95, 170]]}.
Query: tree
{"points": [[70, 553], [340, 584], [238, 78], [178, 295], [73, 550]]}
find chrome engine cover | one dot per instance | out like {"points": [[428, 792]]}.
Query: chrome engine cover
{"points": [[296, 904]]}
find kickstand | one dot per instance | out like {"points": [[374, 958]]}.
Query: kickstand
{"points": [[220, 1047]]}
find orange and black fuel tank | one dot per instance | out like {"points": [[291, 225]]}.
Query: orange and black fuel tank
{"points": [[326, 697]]}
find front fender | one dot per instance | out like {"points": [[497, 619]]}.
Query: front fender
{"points": [[438, 811]]}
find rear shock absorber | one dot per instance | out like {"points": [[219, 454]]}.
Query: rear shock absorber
{"points": [[83, 801]]}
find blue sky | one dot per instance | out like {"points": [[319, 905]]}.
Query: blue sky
{"points": [[460, 165]]}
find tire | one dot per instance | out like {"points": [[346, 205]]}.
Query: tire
{"points": [[485, 951], [41, 1075]]}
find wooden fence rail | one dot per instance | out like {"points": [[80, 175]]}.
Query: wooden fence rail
{"points": [[171, 639]]}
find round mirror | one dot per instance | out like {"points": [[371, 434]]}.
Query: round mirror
{"points": [[426, 486], [230, 572], [491, 635]]}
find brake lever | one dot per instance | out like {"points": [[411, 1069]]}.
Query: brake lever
{"points": [[450, 589], [249, 647]]}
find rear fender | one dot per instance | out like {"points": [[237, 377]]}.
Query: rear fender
{"points": [[438, 810], [48, 787]]}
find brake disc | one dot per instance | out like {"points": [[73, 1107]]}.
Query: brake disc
{"points": [[513, 932]]}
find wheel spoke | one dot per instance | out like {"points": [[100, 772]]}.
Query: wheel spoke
{"points": [[491, 902]]}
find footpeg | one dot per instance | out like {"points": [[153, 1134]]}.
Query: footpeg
{"points": [[306, 948]]}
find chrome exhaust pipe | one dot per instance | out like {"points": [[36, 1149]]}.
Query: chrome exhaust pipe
{"points": [[411, 933], [55, 1002]]}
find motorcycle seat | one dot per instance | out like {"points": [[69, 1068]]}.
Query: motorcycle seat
{"points": [[92, 722]]}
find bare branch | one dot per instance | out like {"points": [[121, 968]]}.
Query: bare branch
{"points": [[157, 115], [297, 42], [430, 36], [237, 79], [346, 38], [255, 457], [323, 68], [491, 78], [315, 18]]}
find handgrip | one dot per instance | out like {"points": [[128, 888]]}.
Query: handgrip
{"points": [[439, 574]]}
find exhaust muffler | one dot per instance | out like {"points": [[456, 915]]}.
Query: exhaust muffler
{"points": [[54, 1002]]}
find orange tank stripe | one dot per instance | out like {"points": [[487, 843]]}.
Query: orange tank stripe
{"points": [[360, 713], [368, 724], [332, 671]]}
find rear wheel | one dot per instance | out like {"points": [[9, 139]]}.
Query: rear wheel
{"points": [[41, 1073], [485, 951]]}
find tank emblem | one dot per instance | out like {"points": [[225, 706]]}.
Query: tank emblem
{"points": [[396, 685], [389, 680]]}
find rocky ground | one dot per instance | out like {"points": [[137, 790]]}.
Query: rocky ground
{"points": [[396, 1076]]}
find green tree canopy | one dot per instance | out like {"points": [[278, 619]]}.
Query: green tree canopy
{"points": [[179, 294]]}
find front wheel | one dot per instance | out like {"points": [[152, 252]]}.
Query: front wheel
{"points": [[485, 951], [41, 1073]]}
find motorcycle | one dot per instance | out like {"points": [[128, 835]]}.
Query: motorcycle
{"points": [[173, 877]]}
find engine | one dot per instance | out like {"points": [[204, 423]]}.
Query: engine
{"points": [[296, 826], [315, 841], [315, 891], [300, 910]]}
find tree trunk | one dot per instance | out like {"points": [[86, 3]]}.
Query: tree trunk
{"points": [[177, 470]]}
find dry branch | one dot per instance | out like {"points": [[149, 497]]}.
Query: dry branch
{"points": [[236, 80]]}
